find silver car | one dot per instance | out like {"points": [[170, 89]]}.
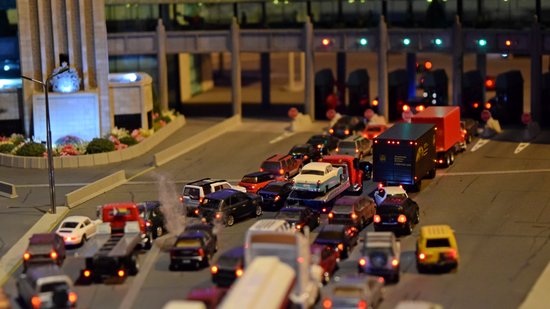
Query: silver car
{"points": [[46, 287], [355, 291]]}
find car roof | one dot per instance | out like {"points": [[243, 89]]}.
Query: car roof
{"points": [[121, 204], [394, 190], [333, 228], [75, 219], [276, 157], [42, 238], [222, 194], [394, 200], [258, 174], [199, 227], [191, 234], [337, 158], [235, 252], [406, 131], [203, 182], [301, 146], [347, 200], [42, 271], [149, 204], [441, 230], [316, 165], [292, 209]]}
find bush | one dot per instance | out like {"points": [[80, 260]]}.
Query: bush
{"points": [[99, 145], [6, 147], [128, 140], [31, 149]]}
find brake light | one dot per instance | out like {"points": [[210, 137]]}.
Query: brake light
{"points": [[487, 105], [394, 262], [121, 273], [261, 169], [380, 185], [346, 132], [181, 198], [252, 187], [26, 256], [324, 210], [362, 304], [475, 105], [419, 108], [402, 219], [362, 262], [72, 297], [464, 131], [196, 212], [340, 247], [148, 223], [327, 303], [218, 215], [239, 272], [337, 149], [356, 150], [53, 255], [298, 227], [353, 216], [36, 302], [201, 199], [214, 269], [281, 171], [68, 238], [440, 161], [276, 198], [331, 131], [421, 256], [376, 219], [331, 215], [452, 254], [201, 252], [405, 108], [306, 157], [87, 273]]}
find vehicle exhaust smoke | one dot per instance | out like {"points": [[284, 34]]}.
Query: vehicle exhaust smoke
{"points": [[171, 208]]}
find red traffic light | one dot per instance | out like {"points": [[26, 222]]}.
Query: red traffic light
{"points": [[326, 42]]}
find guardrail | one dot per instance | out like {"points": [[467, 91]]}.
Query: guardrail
{"points": [[94, 189]]}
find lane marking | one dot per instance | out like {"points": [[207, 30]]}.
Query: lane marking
{"points": [[520, 147], [480, 143], [282, 137], [542, 170]]}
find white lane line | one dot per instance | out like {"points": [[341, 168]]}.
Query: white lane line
{"points": [[480, 143], [542, 170], [520, 147], [281, 137]]}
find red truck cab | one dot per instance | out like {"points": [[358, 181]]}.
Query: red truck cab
{"points": [[117, 214], [351, 163]]}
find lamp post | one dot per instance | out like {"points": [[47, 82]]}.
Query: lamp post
{"points": [[45, 85]]}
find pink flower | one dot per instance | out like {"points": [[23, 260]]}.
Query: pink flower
{"points": [[155, 116], [114, 140], [121, 146], [162, 123]]}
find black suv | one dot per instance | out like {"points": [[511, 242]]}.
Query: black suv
{"points": [[154, 218], [192, 248], [300, 217], [229, 267], [227, 205], [338, 236], [305, 152], [397, 214]]}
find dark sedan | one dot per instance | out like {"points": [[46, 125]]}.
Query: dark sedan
{"points": [[305, 152], [347, 126], [340, 237], [228, 267], [154, 219], [300, 217], [227, 205], [324, 142], [274, 194], [193, 248]]}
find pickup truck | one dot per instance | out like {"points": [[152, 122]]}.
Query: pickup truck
{"points": [[318, 177]]}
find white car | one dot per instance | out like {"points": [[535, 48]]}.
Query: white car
{"points": [[318, 177], [390, 191], [75, 230]]}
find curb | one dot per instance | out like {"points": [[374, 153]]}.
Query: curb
{"points": [[165, 156], [13, 258]]}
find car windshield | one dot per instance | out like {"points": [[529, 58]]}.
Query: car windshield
{"points": [[54, 287], [346, 145], [69, 225], [299, 150], [273, 188], [188, 243], [330, 235], [347, 291], [211, 204], [317, 140], [270, 166], [370, 250], [312, 172], [292, 215], [342, 208], [438, 242], [193, 193], [247, 179], [229, 261]]}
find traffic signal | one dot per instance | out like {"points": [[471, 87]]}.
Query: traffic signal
{"points": [[326, 42], [406, 41], [363, 41], [482, 42], [438, 42]]}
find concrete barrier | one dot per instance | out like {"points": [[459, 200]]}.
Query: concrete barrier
{"points": [[538, 296], [13, 258], [94, 189], [7, 190], [195, 141]]}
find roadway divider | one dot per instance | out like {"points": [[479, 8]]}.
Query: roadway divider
{"points": [[7, 190], [13, 258], [538, 296], [94, 189], [195, 141]]}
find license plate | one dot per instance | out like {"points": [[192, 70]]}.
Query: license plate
{"points": [[186, 261]]}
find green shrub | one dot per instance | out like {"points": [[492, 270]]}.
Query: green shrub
{"points": [[31, 149], [6, 148], [128, 140], [99, 145]]}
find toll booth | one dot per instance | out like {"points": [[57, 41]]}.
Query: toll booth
{"points": [[358, 92], [507, 105], [436, 87], [324, 86], [472, 95], [397, 93], [545, 101]]}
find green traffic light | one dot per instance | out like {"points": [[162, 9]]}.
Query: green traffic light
{"points": [[406, 41], [482, 42], [438, 41], [363, 41]]}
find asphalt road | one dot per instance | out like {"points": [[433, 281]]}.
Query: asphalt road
{"points": [[494, 199]]}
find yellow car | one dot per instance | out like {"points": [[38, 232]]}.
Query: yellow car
{"points": [[436, 247]]}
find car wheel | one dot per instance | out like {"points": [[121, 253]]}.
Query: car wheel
{"points": [[469, 139], [408, 228], [84, 239], [149, 242], [230, 220], [452, 158], [447, 161], [133, 266], [258, 210], [417, 218], [158, 232], [361, 223]]}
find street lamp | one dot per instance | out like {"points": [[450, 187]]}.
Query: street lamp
{"points": [[45, 86]]}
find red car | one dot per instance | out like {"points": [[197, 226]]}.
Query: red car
{"points": [[255, 181], [211, 296], [328, 260]]}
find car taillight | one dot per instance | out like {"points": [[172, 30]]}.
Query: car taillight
{"points": [[36, 302], [362, 262], [376, 219], [353, 216], [261, 169], [380, 185], [72, 297], [214, 269], [53, 255], [201, 199], [239, 272], [440, 161], [181, 198], [362, 304], [281, 171], [252, 187], [331, 215], [487, 105], [356, 150], [331, 131], [148, 223], [451, 254], [67, 238], [340, 247], [298, 227], [121, 273], [394, 262], [402, 219], [346, 132], [26, 256], [306, 157], [87, 273], [475, 105], [327, 303], [319, 146], [218, 215], [337, 149], [421, 256], [324, 210], [196, 212], [276, 198], [201, 252]]}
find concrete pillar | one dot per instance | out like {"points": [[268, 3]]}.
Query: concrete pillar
{"points": [[236, 85], [458, 63], [341, 76], [302, 69], [265, 65], [383, 68], [411, 74], [162, 66], [291, 70], [536, 72], [481, 66], [309, 87]]}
